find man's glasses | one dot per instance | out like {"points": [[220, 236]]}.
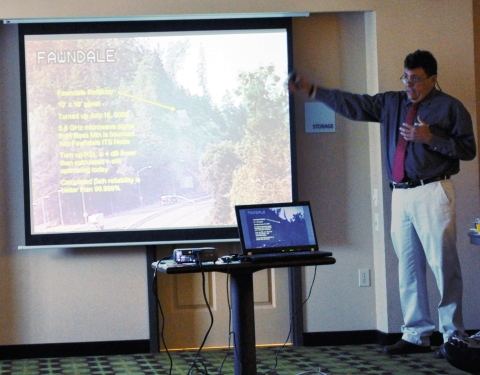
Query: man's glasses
{"points": [[413, 79]]}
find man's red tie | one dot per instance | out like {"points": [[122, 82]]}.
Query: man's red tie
{"points": [[399, 159]]}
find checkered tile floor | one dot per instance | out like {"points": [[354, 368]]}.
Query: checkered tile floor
{"points": [[330, 360]]}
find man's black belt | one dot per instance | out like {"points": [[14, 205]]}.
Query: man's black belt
{"points": [[414, 184]]}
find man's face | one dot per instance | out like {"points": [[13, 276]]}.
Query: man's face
{"points": [[418, 84]]}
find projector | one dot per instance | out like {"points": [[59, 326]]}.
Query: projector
{"points": [[195, 255]]}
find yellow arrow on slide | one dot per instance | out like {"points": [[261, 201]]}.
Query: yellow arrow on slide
{"points": [[147, 101]]}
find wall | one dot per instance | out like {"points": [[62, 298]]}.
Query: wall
{"points": [[324, 60], [57, 295], [67, 295], [334, 167]]}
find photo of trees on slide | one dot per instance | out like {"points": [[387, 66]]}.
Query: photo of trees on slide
{"points": [[164, 130]]}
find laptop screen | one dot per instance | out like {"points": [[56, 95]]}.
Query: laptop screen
{"points": [[276, 228]]}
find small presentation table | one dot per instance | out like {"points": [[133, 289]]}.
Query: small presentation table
{"points": [[243, 315]]}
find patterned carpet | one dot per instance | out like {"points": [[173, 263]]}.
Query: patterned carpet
{"points": [[338, 360]]}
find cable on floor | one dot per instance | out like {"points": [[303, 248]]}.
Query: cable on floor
{"points": [[291, 324], [194, 364], [162, 329]]}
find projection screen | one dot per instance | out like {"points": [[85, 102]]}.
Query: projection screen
{"points": [[151, 132]]}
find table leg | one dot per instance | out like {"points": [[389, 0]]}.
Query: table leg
{"points": [[243, 318]]}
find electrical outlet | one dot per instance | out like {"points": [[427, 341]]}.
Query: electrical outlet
{"points": [[364, 277]]}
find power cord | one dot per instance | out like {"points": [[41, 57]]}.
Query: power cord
{"points": [[230, 331], [291, 328], [162, 337], [194, 364]]}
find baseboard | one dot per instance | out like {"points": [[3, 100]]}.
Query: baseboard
{"points": [[362, 337], [77, 349], [340, 338]]}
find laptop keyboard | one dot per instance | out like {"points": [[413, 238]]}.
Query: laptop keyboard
{"points": [[275, 257]]}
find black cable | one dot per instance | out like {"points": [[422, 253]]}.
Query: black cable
{"points": [[291, 322], [230, 331], [194, 364], [155, 292]]}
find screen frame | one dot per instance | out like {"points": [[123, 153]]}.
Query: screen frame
{"points": [[134, 237]]}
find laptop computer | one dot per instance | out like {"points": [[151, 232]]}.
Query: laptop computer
{"points": [[275, 231]]}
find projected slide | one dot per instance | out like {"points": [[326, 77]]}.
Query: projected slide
{"points": [[277, 227], [149, 131]]}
